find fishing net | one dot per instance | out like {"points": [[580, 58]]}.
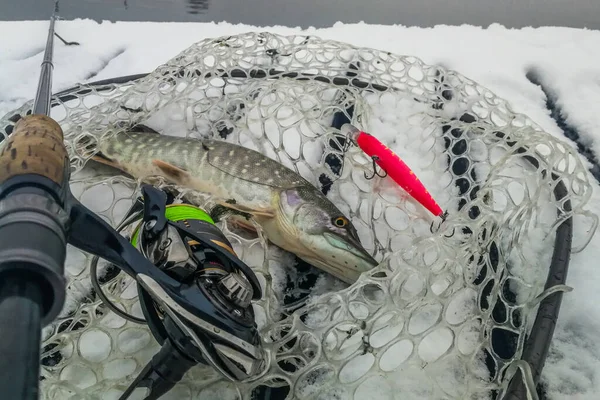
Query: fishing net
{"points": [[447, 312]]}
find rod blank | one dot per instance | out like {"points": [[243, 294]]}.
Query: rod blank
{"points": [[41, 104]]}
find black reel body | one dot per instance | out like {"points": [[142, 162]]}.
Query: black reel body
{"points": [[201, 312], [220, 279]]}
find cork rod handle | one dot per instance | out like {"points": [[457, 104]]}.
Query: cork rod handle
{"points": [[35, 147]]}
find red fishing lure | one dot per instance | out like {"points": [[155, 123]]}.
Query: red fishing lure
{"points": [[394, 167]]}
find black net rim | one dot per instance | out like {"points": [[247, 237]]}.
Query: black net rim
{"points": [[537, 343]]}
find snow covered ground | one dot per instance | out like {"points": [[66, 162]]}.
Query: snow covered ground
{"points": [[563, 60]]}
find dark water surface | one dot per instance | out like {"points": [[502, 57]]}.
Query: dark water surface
{"points": [[320, 13]]}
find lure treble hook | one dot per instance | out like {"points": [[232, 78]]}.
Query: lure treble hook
{"points": [[375, 172], [349, 141], [443, 217]]}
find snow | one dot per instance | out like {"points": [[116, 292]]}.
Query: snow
{"points": [[498, 58]]}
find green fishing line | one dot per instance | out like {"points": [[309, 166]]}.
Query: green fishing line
{"points": [[179, 212]]}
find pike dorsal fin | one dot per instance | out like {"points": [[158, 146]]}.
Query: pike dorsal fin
{"points": [[141, 128]]}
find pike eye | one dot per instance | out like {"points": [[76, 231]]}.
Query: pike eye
{"points": [[340, 222]]}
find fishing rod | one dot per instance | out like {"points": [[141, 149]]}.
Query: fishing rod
{"points": [[194, 291], [34, 174]]}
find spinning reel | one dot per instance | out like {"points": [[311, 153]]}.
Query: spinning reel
{"points": [[208, 319]]}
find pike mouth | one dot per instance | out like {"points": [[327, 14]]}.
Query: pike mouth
{"points": [[352, 246], [347, 272]]}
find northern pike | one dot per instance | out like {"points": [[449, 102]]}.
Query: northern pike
{"points": [[293, 214]]}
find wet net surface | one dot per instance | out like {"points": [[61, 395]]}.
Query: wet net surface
{"points": [[447, 311]]}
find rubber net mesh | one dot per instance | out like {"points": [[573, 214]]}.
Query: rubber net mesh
{"points": [[446, 312]]}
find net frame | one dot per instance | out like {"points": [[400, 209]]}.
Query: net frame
{"points": [[535, 348]]}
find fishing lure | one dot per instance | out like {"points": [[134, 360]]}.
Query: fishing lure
{"points": [[393, 167]]}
